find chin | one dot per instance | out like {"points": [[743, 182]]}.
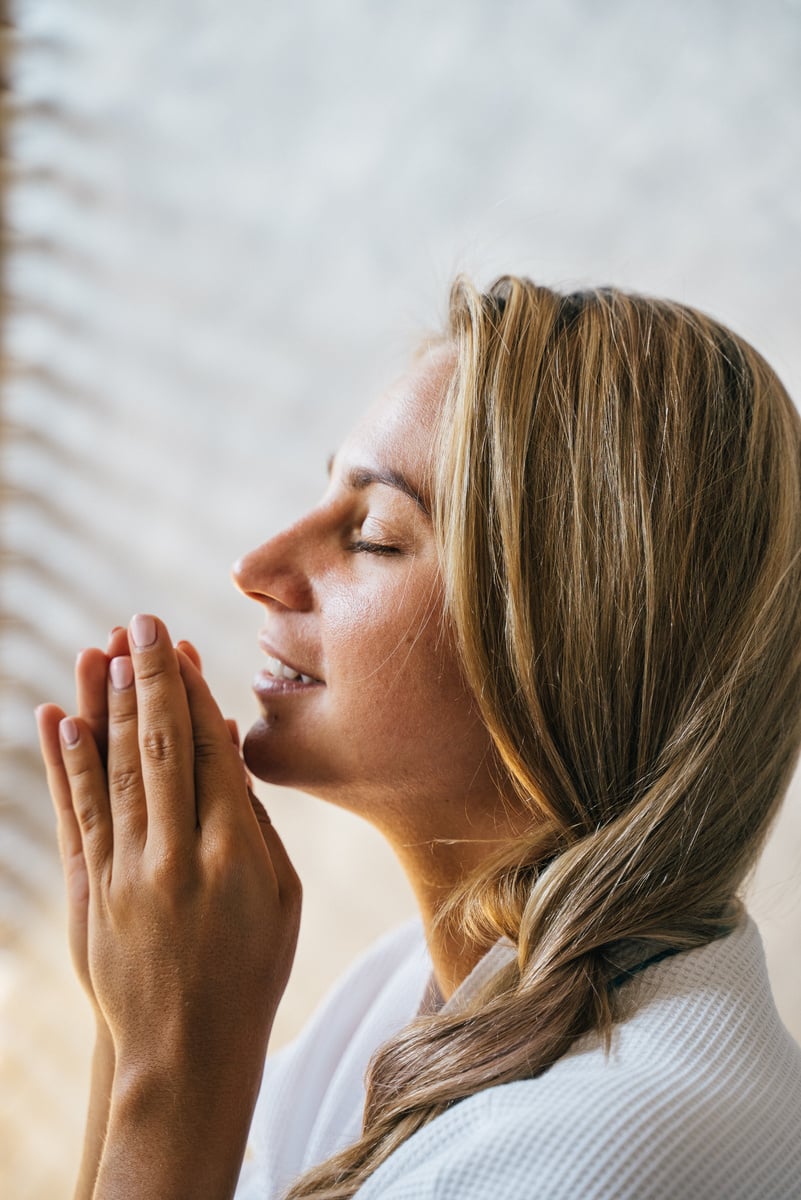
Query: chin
{"points": [[257, 755], [277, 761], [286, 762]]}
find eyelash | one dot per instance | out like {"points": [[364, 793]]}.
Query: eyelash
{"points": [[361, 546]]}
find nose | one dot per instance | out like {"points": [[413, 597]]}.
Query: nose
{"points": [[273, 573]]}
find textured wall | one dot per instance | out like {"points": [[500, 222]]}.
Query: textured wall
{"points": [[228, 221]]}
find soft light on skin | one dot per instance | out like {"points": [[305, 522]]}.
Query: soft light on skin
{"points": [[352, 596]]}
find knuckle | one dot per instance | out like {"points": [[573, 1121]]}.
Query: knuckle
{"points": [[124, 780], [151, 671], [80, 775], [124, 889], [168, 868], [206, 750], [159, 745], [222, 857], [82, 779], [88, 817], [123, 720], [88, 814]]}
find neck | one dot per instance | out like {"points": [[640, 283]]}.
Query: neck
{"points": [[440, 840], [434, 872]]}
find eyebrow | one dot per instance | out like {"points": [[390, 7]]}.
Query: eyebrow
{"points": [[359, 478]]}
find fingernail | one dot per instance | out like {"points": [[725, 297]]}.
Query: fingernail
{"points": [[116, 629], [68, 731], [121, 672], [143, 631]]}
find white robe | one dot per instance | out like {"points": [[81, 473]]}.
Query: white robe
{"points": [[699, 1098]]}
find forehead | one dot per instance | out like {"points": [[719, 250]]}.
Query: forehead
{"points": [[398, 430]]}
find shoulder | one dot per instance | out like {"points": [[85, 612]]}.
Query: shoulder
{"points": [[700, 1095]]}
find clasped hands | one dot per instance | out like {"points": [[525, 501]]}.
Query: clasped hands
{"points": [[183, 905]]}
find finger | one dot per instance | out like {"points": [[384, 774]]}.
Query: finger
{"points": [[289, 885], [91, 676], [234, 732], [218, 766], [70, 846], [219, 775], [90, 802], [91, 669], [124, 768], [165, 732], [189, 650], [117, 642], [48, 717]]}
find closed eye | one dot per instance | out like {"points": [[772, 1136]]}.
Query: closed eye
{"points": [[362, 547]]}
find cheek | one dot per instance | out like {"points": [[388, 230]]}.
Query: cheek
{"points": [[385, 639], [399, 677]]}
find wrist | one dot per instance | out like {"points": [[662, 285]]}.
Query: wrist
{"points": [[174, 1132], [103, 1064]]}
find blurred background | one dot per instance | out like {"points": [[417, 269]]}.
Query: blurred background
{"points": [[225, 227]]}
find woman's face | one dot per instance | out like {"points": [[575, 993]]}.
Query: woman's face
{"points": [[362, 699]]}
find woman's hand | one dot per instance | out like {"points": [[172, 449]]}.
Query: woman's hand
{"points": [[91, 686], [192, 919]]}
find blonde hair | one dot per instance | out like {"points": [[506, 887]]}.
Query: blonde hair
{"points": [[619, 516]]}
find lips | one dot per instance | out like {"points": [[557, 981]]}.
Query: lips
{"points": [[282, 669], [267, 687]]}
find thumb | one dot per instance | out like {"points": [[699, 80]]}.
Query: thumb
{"points": [[234, 732], [260, 812], [288, 881]]}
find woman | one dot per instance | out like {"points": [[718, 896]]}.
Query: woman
{"points": [[543, 631]]}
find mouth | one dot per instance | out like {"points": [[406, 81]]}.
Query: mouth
{"points": [[277, 669], [279, 676]]}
